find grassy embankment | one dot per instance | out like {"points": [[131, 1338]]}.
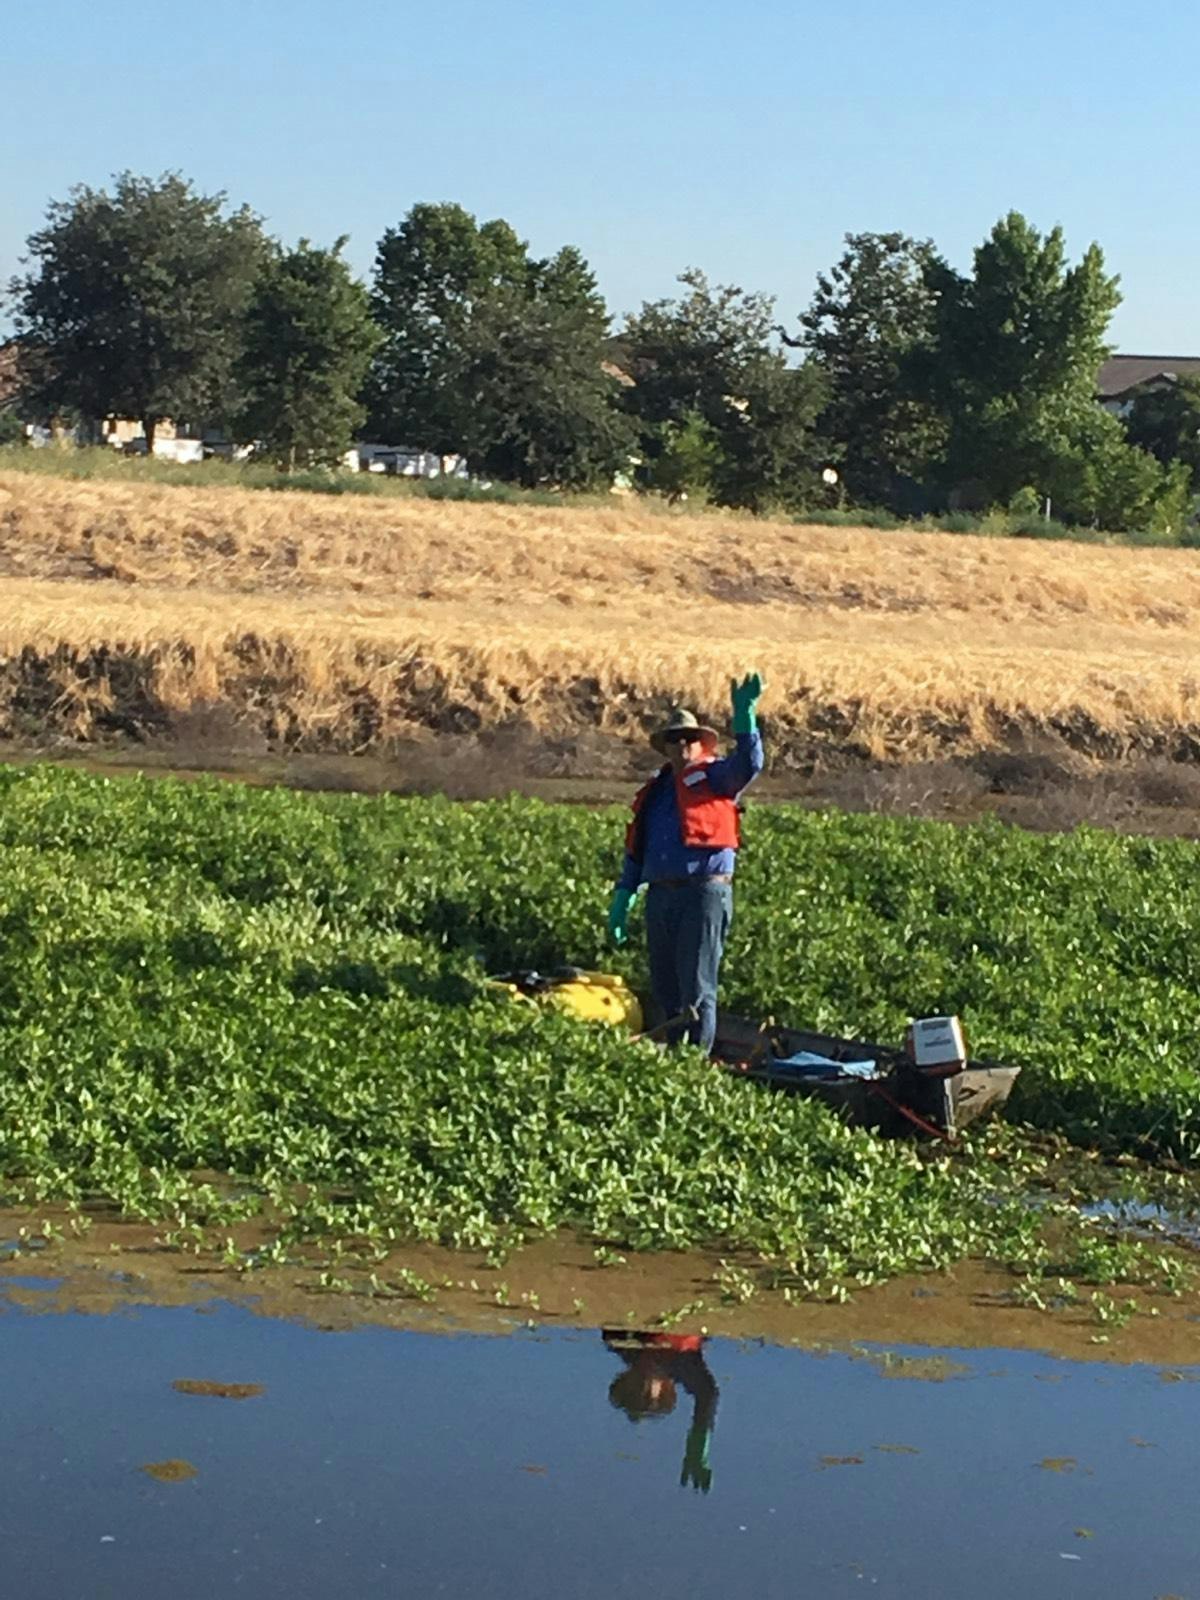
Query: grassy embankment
{"points": [[287, 989], [346, 623]]}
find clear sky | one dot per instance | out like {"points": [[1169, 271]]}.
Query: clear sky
{"points": [[743, 139]]}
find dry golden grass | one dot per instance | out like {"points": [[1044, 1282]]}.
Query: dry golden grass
{"points": [[342, 622]]}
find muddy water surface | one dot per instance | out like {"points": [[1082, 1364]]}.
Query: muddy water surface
{"points": [[292, 1461]]}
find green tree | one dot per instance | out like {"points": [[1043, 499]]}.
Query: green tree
{"points": [[307, 344], [1134, 491], [540, 409], [872, 328], [133, 303], [1165, 420], [1020, 341], [683, 466], [710, 355], [489, 351], [696, 353], [1019, 344], [771, 447], [1092, 474], [430, 274]]}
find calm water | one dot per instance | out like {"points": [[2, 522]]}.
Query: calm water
{"points": [[406, 1464]]}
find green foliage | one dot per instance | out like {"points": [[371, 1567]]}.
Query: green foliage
{"points": [[1023, 325], [929, 389], [1131, 491], [1025, 503], [870, 517], [977, 390], [1165, 420], [198, 977], [683, 464], [871, 327], [769, 452], [489, 352], [1017, 349], [307, 343], [289, 988], [134, 301], [709, 355], [543, 410], [429, 274]]}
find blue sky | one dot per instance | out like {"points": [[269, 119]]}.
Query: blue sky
{"points": [[744, 140]]}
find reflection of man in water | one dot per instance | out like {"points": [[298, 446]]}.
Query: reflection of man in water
{"points": [[654, 1364]]}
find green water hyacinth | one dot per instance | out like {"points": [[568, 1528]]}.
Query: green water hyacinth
{"points": [[289, 988]]}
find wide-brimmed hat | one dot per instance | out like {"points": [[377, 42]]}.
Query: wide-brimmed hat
{"points": [[683, 721]]}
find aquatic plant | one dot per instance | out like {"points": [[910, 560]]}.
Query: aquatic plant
{"points": [[288, 989]]}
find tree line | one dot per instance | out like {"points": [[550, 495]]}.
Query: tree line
{"points": [[925, 389]]}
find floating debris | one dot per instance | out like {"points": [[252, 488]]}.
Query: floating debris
{"points": [[219, 1391], [841, 1461], [170, 1471], [1058, 1463], [928, 1369]]}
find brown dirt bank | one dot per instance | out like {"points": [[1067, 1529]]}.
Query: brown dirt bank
{"points": [[121, 1265], [305, 624], [1043, 790]]}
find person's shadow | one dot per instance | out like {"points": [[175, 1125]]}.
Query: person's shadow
{"points": [[656, 1366]]}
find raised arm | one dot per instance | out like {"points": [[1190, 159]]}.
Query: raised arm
{"points": [[733, 772]]}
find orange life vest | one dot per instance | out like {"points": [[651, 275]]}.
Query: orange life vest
{"points": [[707, 821], [682, 1342]]}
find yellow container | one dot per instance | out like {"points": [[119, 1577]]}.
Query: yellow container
{"points": [[597, 997]]}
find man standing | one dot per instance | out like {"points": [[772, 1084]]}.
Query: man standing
{"points": [[683, 842]]}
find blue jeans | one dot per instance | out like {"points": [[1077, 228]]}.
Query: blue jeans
{"points": [[686, 929]]}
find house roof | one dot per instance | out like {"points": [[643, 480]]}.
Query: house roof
{"points": [[1120, 374], [611, 370]]}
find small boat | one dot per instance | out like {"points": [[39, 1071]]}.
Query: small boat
{"points": [[871, 1085]]}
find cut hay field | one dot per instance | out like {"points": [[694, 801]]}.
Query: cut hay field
{"points": [[348, 623]]}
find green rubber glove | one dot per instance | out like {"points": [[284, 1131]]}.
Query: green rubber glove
{"points": [[618, 915], [697, 1473], [744, 698]]}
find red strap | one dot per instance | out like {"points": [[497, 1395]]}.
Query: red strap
{"points": [[907, 1111]]}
